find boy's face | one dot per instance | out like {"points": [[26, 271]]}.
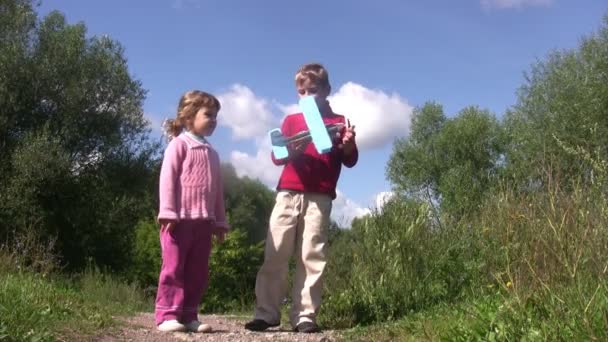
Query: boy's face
{"points": [[311, 88]]}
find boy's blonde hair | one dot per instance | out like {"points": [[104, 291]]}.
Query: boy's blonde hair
{"points": [[313, 72], [189, 104]]}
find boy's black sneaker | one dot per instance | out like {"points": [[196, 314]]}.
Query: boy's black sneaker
{"points": [[308, 328], [259, 325]]}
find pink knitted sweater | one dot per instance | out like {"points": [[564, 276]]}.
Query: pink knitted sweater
{"points": [[190, 182]]}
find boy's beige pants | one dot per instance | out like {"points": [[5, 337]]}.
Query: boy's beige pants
{"points": [[299, 224]]}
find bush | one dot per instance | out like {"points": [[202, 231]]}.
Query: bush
{"points": [[395, 262], [146, 256], [528, 265], [232, 268], [26, 252]]}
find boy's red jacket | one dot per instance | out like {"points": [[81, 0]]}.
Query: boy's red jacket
{"points": [[311, 171]]}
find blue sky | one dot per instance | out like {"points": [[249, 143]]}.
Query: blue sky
{"points": [[385, 57]]}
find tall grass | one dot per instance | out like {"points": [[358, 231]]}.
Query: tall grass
{"points": [[394, 263], [527, 266], [549, 255], [39, 305]]}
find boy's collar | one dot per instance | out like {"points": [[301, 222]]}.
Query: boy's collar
{"points": [[327, 111]]}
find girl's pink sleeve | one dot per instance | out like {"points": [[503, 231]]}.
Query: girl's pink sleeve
{"points": [[169, 177], [220, 209]]}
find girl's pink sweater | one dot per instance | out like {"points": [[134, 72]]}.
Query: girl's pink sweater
{"points": [[190, 183]]}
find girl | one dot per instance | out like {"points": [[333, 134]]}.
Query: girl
{"points": [[191, 212]]}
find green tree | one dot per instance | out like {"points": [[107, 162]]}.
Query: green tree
{"points": [[563, 103], [17, 22], [248, 202], [415, 165], [471, 145], [452, 162], [76, 159]]}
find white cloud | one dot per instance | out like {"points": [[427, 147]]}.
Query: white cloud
{"points": [[383, 197], [288, 109], [344, 210], [259, 166], [504, 4], [250, 117], [247, 115], [379, 117]]}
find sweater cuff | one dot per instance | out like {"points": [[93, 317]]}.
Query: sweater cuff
{"points": [[223, 225], [168, 215]]}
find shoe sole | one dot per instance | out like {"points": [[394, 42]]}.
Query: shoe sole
{"points": [[172, 330], [262, 329]]}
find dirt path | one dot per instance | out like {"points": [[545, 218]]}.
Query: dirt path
{"points": [[226, 328]]}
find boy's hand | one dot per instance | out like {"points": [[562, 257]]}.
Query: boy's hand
{"points": [[296, 148], [167, 225], [348, 138], [220, 235]]}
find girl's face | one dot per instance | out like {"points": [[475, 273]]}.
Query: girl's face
{"points": [[204, 122]]}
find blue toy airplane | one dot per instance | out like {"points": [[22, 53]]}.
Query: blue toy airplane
{"points": [[317, 130]]}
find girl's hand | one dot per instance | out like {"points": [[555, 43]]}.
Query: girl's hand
{"points": [[220, 235], [167, 225]]}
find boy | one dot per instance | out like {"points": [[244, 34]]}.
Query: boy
{"points": [[300, 217]]}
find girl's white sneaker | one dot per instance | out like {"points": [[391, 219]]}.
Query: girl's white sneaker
{"points": [[196, 326], [171, 325]]}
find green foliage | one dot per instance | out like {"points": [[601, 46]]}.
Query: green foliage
{"points": [[233, 268], [564, 98], [490, 318], [248, 202], [470, 146], [415, 164], [548, 238], [547, 255], [393, 263], [506, 264], [29, 253], [146, 255], [497, 231], [41, 170], [528, 266], [76, 161], [525, 267], [35, 308], [530, 198], [451, 161]]}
